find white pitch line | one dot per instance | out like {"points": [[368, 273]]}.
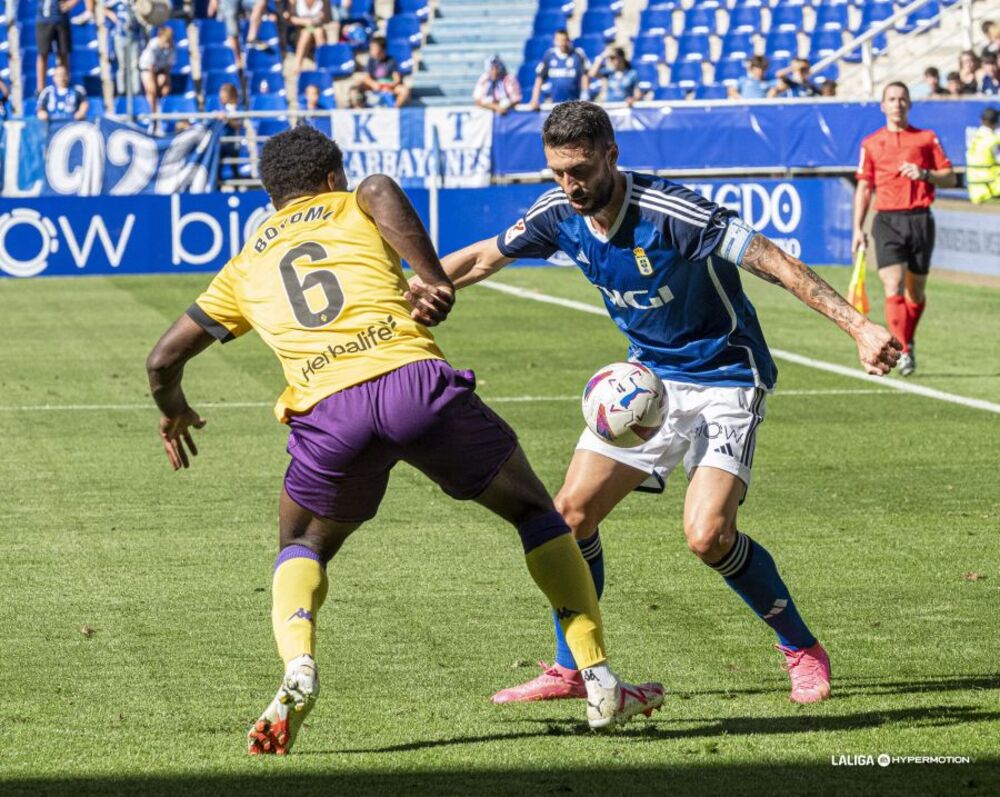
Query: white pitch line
{"points": [[798, 359]]}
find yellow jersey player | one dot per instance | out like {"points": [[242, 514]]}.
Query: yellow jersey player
{"points": [[321, 283]]}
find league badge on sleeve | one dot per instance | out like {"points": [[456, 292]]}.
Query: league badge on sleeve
{"points": [[642, 262]]}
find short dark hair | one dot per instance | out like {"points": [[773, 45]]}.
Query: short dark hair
{"points": [[379, 40], [563, 31], [896, 84], [932, 71], [297, 162], [759, 61], [954, 76], [578, 124]]}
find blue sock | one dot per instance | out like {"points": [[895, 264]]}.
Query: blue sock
{"points": [[751, 573], [594, 556]]}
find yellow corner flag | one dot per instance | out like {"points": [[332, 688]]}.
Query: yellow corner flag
{"points": [[856, 294]]}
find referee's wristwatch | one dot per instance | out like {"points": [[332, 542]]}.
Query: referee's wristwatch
{"points": [[925, 175]]}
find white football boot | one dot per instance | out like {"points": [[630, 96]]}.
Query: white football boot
{"points": [[607, 707], [275, 731]]}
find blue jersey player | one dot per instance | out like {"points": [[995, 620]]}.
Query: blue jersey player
{"points": [[666, 262]]}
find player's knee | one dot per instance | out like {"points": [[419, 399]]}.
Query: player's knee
{"points": [[575, 515], [708, 538]]}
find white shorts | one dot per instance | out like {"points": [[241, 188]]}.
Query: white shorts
{"points": [[713, 426]]}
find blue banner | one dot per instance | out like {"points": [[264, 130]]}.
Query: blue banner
{"points": [[182, 233], [732, 135], [106, 158]]}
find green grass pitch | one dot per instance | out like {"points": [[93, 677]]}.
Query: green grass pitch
{"points": [[134, 615]]}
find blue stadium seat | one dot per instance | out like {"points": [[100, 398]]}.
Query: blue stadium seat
{"points": [[729, 72], [600, 21], [548, 22], [268, 83], [4, 66], [879, 43], [419, 8], [535, 48], [699, 20], [745, 19], [830, 72], [823, 42], [736, 46], [831, 17], [83, 36], [337, 59], [84, 62], [182, 65], [268, 102], [179, 27], [657, 20], [268, 33], [140, 105], [213, 103], [713, 92], [648, 49], [566, 6], [263, 60], [361, 10], [182, 85], [592, 44], [405, 26], [872, 13], [776, 65], [95, 107], [686, 74], [27, 10], [692, 47], [648, 75], [401, 50], [211, 32], [323, 80], [30, 106], [211, 82], [526, 77], [174, 104], [748, 4], [923, 19], [218, 59], [709, 4], [786, 17], [614, 6], [271, 127], [781, 44], [670, 93]]}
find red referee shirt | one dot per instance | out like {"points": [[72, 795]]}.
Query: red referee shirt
{"points": [[883, 152]]}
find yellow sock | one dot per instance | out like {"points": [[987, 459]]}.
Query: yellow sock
{"points": [[560, 571], [297, 592]]}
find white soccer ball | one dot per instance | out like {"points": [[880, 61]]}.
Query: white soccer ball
{"points": [[624, 404]]}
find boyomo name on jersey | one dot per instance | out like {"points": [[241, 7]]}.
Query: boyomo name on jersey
{"points": [[325, 293]]}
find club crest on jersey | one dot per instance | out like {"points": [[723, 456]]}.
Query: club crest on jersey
{"points": [[515, 231], [642, 262]]}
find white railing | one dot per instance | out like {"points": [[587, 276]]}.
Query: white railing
{"points": [[864, 41]]}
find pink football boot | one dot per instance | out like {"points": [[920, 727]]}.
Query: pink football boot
{"points": [[555, 683], [809, 670]]}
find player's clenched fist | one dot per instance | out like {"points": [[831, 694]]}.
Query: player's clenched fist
{"points": [[878, 350], [175, 434], [431, 303]]}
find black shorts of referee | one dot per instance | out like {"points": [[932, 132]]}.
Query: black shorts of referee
{"points": [[904, 237]]}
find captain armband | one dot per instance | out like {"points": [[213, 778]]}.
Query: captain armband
{"points": [[735, 241]]}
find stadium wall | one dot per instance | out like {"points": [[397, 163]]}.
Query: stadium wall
{"points": [[147, 234]]}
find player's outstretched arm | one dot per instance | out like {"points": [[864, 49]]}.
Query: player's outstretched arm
{"points": [[877, 348], [475, 262], [433, 295], [165, 368]]}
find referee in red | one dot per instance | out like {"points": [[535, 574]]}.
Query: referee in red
{"points": [[902, 165]]}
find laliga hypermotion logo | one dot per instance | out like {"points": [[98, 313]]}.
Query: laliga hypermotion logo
{"points": [[46, 230]]}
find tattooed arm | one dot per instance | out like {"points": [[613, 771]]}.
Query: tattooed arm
{"points": [[877, 349]]}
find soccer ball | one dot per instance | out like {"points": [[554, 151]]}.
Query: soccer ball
{"points": [[624, 404]]}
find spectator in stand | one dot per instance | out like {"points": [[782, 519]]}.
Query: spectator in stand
{"points": [[968, 67], [497, 89], [990, 82], [51, 27], [312, 100], [954, 85], [356, 97], [229, 144], [793, 81], [62, 101], [129, 38], [621, 84], [982, 160], [828, 88], [4, 94], [382, 76], [930, 86], [753, 86], [229, 12], [564, 69], [307, 19], [991, 30], [155, 64]]}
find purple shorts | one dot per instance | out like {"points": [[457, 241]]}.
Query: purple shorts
{"points": [[426, 414]]}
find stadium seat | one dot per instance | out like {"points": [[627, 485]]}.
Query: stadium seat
{"points": [[211, 32], [419, 8], [592, 45], [30, 106], [95, 107], [713, 92], [699, 20], [878, 44], [180, 29], [337, 59], [736, 46], [405, 26], [692, 47], [670, 93], [823, 42], [600, 21], [84, 62], [775, 65], [27, 10], [535, 48], [140, 105], [271, 127], [361, 10], [4, 66], [648, 75], [83, 37], [213, 103], [401, 50], [614, 6], [218, 59], [268, 102], [923, 19], [268, 33], [182, 64], [831, 17], [786, 17], [526, 77], [548, 22], [781, 44], [686, 74], [211, 82], [263, 60], [648, 49], [267, 84], [729, 72], [748, 4], [830, 72], [873, 13], [174, 104], [566, 6], [656, 21], [319, 78], [182, 85], [745, 19]]}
